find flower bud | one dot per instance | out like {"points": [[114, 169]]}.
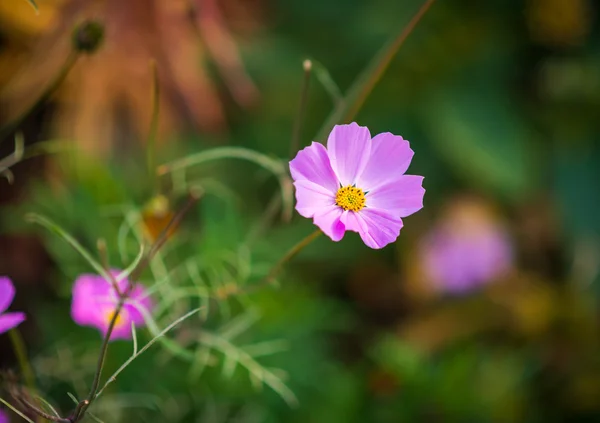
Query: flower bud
{"points": [[88, 36]]}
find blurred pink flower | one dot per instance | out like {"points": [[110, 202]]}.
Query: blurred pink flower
{"points": [[466, 249], [95, 299], [4, 417], [357, 184], [7, 294]]}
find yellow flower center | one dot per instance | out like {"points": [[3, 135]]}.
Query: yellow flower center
{"points": [[108, 315], [350, 198]]}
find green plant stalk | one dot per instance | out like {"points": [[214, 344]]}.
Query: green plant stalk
{"points": [[297, 131], [292, 252], [82, 406], [21, 353], [11, 126], [364, 84]]}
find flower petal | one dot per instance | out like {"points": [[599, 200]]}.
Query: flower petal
{"points": [[138, 299], [377, 228], [7, 293], [402, 196], [312, 198], [390, 157], [328, 220], [312, 164], [89, 293], [11, 320], [349, 149]]}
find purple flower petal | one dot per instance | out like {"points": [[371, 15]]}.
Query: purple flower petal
{"points": [[7, 293], [10, 320], [94, 301], [312, 198], [89, 293], [138, 299], [377, 228], [312, 164], [349, 149], [390, 157], [4, 417], [328, 220], [402, 196]]}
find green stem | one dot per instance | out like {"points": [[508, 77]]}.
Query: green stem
{"points": [[82, 406], [21, 353], [292, 252], [11, 126], [297, 132], [364, 84]]}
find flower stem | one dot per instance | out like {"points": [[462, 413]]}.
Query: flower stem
{"points": [[290, 255], [297, 132], [270, 278], [11, 126], [21, 353], [363, 85], [82, 406]]}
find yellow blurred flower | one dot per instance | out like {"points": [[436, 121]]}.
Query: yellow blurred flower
{"points": [[559, 23]]}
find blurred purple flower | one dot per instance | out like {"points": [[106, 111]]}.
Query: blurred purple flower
{"points": [[466, 250], [7, 293], [95, 300], [357, 184], [4, 417]]}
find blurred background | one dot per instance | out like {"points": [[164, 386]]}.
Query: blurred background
{"points": [[486, 309]]}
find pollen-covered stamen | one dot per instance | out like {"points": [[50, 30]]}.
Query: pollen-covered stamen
{"points": [[350, 198]]}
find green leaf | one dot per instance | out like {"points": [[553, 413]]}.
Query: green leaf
{"points": [[134, 337], [54, 228], [144, 348], [277, 167]]}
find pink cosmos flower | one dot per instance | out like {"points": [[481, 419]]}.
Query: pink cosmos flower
{"points": [[7, 293], [468, 248], [95, 299], [357, 184]]}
